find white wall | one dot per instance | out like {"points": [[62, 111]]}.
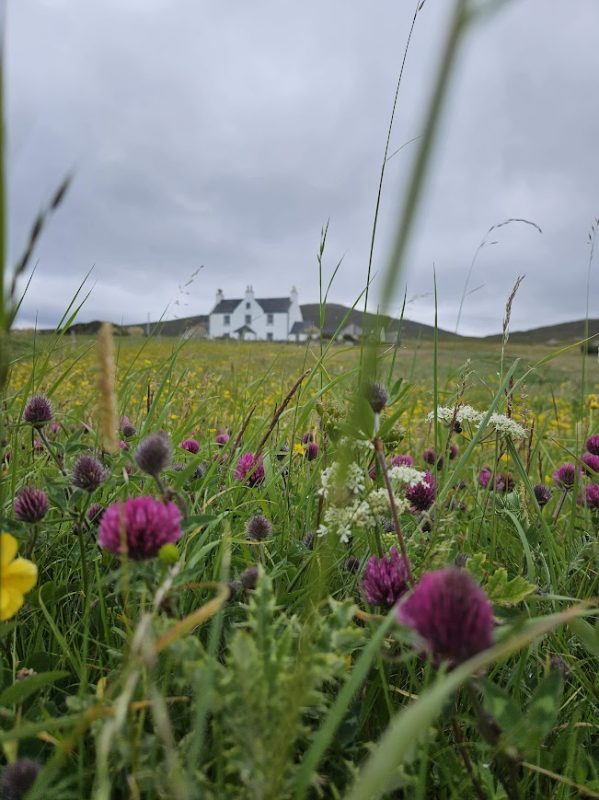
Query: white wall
{"points": [[282, 322]]}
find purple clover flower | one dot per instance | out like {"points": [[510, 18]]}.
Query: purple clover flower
{"points": [[88, 473], [258, 528], [139, 527], [592, 496], [191, 445], [542, 493], [127, 428], [311, 451], [385, 579], [250, 470], [504, 482], [593, 444], [31, 505], [222, 438], [18, 778], [402, 461], [38, 411], [565, 476], [591, 463], [430, 457], [422, 495], [451, 613], [484, 476], [153, 454]]}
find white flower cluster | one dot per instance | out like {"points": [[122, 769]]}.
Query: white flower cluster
{"points": [[402, 475], [356, 444], [363, 514], [463, 414], [499, 422], [354, 512], [330, 479], [507, 426]]}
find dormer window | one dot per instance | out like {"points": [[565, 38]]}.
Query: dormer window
{"points": [[270, 319], [227, 319]]}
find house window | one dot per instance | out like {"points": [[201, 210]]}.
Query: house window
{"points": [[227, 320], [248, 305], [269, 336], [270, 318], [248, 319]]}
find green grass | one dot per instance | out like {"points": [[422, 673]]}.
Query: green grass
{"points": [[282, 690]]}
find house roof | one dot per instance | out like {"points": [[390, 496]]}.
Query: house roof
{"points": [[225, 306], [300, 327], [274, 305], [245, 329], [270, 305]]}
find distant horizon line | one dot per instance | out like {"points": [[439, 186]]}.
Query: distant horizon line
{"points": [[164, 319]]}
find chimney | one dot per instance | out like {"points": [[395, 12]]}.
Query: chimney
{"points": [[219, 296], [249, 293], [293, 295]]}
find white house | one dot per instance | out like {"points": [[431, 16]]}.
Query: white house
{"points": [[268, 319]]}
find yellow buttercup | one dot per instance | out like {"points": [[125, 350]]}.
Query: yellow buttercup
{"points": [[17, 577]]}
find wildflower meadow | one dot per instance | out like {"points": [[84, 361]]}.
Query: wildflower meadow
{"points": [[264, 571], [218, 582]]}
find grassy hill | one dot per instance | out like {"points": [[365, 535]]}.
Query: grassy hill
{"points": [[563, 333]]}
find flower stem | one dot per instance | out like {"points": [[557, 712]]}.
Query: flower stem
{"points": [[380, 454], [49, 448]]}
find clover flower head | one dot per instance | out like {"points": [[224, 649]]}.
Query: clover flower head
{"points": [[565, 476], [404, 460], [191, 445], [377, 397], [593, 444], [88, 473], [542, 493], [38, 411], [311, 451], [484, 476], [451, 614], [139, 526], [18, 778], [249, 470], [385, 579], [258, 528], [422, 495], [31, 505], [153, 453], [591, 463], [592, 496]]}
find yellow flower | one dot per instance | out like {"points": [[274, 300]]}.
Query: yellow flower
{"points": [[17, 576], [298, 448]]}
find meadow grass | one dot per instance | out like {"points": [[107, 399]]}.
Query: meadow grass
{"points": [[170, 678]]}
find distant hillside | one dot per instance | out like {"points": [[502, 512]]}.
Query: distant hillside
{"points": [[334, 315], [564, 333]]}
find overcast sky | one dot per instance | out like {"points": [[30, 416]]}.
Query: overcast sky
{"points": [[223, 135]]}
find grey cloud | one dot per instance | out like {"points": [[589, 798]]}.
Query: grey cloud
{"points": [[225, 135]]}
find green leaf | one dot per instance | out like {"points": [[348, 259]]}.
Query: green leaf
{"points": [[588, 635], [22, 689], [504, 710], [507, 592], [540, 715]]}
